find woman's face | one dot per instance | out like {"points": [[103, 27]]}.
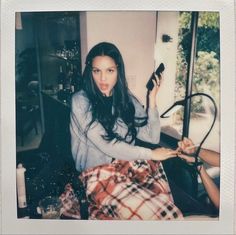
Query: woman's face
{"points": [[104, 72]]}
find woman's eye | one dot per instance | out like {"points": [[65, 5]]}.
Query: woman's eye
{"points": [[95, 71], [110, 70]]}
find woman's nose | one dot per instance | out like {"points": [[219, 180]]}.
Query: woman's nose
{"points": [[103, 76]]}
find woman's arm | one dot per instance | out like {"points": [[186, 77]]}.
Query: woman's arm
{"points": [[151, 131], [210, 186], [210, 157]]}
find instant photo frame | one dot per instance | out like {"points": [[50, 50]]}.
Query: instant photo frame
{"points": [[224, 224]]}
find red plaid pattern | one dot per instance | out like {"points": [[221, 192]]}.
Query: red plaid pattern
{"points": [[70, 204], [129, 190]]}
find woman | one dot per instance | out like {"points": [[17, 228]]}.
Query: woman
{"points": [[105, 121], [106, 118]]}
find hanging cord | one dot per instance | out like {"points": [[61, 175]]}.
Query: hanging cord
{"points": [[198, 162], [196, 154]]}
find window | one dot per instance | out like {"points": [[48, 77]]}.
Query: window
{"points": [[197, 70]]}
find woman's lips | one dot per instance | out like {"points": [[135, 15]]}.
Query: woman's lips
{"points": [[103, 86]]}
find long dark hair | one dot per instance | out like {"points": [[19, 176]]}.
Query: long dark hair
{"points": [[120, 106]]}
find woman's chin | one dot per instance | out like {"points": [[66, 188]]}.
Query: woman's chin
{"points": [[106, 93]]}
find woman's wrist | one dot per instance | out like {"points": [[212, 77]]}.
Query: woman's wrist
{"points": [[200, 169], [152, 103], [152, 155]]}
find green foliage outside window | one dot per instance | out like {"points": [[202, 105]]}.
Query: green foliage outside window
{"points": [[207, 61]]}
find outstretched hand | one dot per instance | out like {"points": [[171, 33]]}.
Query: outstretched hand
{"points": [[160, 154], [188, 159], [186, 146]]}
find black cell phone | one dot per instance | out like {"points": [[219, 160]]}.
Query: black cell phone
{"points": [[158, 72]]}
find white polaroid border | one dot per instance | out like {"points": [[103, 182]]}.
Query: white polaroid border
{"points": [[9, 222]]}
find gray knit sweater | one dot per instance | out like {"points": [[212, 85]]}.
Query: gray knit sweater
{"points": [[92, 150]]}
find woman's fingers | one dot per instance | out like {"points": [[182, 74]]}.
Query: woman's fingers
{"points": [[188, 141], [172, 152], [179, 144], [155, 87], [163, 154], [186, 145], [154, 81], [187, 158], [157, 82]]}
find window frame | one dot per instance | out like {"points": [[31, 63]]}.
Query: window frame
{"points": [[166, 139]]}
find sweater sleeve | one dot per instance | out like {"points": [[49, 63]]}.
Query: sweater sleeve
{"points": [[81, 116]]}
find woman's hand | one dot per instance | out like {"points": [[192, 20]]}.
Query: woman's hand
{"points": [[160, 154], [186, 146], [187, 158], [153, 92]]}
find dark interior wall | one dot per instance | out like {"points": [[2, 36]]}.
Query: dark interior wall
{"points": [[24, 38]]}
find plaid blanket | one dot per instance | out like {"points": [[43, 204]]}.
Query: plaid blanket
{"points": [[70, 203], [128, 190]]}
